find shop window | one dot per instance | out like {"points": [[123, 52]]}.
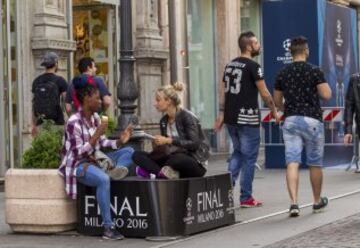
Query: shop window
{"points": [[250, 16], [200, 26], [94, 33]]}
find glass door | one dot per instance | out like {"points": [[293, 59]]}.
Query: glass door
{"points": [[201, 43], [250, 19], [94, 33]]}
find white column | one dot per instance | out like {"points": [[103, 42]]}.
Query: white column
{"points": [[228, 31], [151, 55]]}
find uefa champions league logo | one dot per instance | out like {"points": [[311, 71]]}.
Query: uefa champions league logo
{"points": [[188, 206], [286, 45], [188, 218], [287, 58]]}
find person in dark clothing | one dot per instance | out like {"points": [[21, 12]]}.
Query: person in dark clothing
{"points": [[181, 134], [302, 85], [352, 108], [48, 89], [243, 80]]}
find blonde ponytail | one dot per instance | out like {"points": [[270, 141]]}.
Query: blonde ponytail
{"points": [[172, 92]]}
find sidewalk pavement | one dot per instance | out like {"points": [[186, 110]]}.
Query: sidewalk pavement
{"points": [[269, 187], [339, 234]]}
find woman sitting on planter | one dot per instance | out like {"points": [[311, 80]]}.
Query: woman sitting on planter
{"points": [[84, 136], [176, 149]]}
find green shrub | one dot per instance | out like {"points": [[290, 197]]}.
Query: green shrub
{"points": [[45, 150], [111, 127]]}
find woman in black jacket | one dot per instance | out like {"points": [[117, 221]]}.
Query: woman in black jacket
{"points": [[177, 148]]}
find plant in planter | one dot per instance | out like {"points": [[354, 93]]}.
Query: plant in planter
{"points": [[111, 127], [45, 150], [35, 198]]}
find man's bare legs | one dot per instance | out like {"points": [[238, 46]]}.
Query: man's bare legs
{"points": [[316, 176], [292, 180]]}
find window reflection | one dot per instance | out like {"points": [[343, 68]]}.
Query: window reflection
{"points": [[202, 60]]}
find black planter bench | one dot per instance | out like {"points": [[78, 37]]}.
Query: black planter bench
{"points": [[161, 208]]}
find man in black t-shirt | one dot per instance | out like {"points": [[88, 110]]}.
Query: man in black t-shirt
{"points": [[47, 90], [242, 81], [302, 85]]}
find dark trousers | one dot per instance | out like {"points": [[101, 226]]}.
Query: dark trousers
{"points": [[186, 165]]}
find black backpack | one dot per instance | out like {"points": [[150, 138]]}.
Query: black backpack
{"points": [[46, 100]]}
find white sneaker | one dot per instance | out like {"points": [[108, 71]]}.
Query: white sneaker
{"points": [[118, 172], [169, 172]]}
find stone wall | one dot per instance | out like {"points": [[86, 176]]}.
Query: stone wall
{"points": [[43, 28], [151, 53]]}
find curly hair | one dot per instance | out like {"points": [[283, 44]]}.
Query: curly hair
{"points": [[83, 86]]}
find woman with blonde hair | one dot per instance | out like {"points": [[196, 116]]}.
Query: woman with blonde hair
{"points": [[179, 143]]}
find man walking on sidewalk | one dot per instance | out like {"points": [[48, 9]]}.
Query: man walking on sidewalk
{"points": [[243, 80], [302, 84]]}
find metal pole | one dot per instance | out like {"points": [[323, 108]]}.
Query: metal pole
{"points": [[127, 91], [173, 43]]}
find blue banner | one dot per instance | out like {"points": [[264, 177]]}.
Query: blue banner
{"points": [[283, 20], [338, 48], [331, 31]]}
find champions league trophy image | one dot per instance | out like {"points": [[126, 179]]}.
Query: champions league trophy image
{"points": [[340, 99], [340, 96], [339, 90], [339, 62]]}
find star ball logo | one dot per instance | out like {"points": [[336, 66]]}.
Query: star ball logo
{"points": [[286, 45], [286, 58], [189, 206], [188, 219]]}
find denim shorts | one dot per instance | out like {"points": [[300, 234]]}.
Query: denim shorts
{"points": [[303, 131]]}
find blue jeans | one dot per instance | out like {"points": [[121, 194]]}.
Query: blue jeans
{"points": [[246, 142], [96, 177], [300, 132]]}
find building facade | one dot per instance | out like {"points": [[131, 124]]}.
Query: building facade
{"points": [[174, 40]]}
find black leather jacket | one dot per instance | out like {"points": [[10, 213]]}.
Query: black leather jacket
{"points": [[352, 104], [187, 125]]}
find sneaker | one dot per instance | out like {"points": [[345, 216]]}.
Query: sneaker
{"points": [[140, 172], [294, 210], [111, 233], [118, 172], [168, 173], [250, 203], [321, 205]]}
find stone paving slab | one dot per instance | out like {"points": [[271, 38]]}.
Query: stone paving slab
{"points": [[340, 234], [269, 186]]}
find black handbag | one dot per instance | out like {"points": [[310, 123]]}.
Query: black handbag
{"points": [[202, 154]]}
